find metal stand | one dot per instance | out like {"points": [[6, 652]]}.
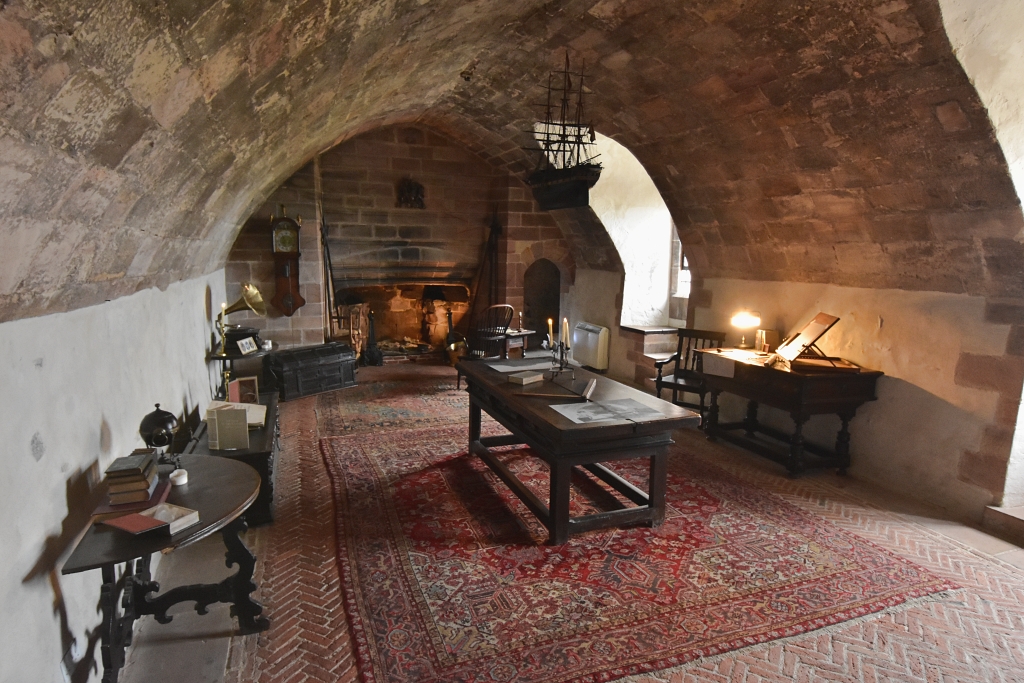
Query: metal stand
{"points": [[560, 361]]}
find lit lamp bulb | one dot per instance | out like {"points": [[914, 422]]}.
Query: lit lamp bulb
{"points": [[746, 320]]}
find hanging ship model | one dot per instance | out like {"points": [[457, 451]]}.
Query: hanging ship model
{"points": [[566, 170]]}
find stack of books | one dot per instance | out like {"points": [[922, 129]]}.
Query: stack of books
{"points": [[132, 478]]}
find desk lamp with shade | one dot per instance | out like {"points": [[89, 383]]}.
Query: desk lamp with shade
{"points": [[746, 320]]}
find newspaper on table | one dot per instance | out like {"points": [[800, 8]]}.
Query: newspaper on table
{"points": [[608, 411]]}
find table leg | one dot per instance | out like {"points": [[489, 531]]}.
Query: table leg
{"points": [[474, 423], [796, 447], [111, 643], [558, 503], [843, 442], [244, 607], [235, 589], [750, 422], [656, 487], [712, 426]]}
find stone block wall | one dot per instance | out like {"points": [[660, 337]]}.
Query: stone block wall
{"points": [[252, 260]]}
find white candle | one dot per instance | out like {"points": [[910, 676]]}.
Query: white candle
{"points": [[565, 332], [551, 330]]}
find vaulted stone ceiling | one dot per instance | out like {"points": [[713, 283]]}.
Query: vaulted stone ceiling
{"points": [[824, 142]]}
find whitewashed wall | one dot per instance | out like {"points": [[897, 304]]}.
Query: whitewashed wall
{"points": [[74, 388], [911, 438], [592, 299], [988, 40], [639, 223]]}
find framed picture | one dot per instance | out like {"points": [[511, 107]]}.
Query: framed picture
{"points": [[244, 390], [247, 346]]}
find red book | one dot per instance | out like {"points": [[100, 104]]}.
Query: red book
{"points": [[134, 523]]}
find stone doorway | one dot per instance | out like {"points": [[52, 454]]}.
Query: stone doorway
{"points": [[542, 286]]}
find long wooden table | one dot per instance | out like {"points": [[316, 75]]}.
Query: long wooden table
{"points": [[565, 445]]}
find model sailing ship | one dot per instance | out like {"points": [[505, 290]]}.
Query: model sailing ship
{"points": [[566, 169]]}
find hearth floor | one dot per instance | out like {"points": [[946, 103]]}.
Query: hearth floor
{"points": [[310, 640]]}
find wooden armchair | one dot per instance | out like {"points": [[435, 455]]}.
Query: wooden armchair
{"points": [[487, 338], [682, 377]]}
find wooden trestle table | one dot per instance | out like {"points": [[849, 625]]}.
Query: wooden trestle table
{"points": [[565, 445]]}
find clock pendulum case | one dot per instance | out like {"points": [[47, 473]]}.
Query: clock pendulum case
{"points": [[285, 231]]}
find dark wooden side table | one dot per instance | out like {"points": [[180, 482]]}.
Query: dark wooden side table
{"points": [[220, 490], [801, 394], [260, 455]]}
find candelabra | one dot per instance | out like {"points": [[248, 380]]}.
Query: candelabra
{"points": [[560, 360]]}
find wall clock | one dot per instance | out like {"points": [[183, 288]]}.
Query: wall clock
{"points": [[285, 233]]}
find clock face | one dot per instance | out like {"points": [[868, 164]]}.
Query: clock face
{"points": [[286, 240]]}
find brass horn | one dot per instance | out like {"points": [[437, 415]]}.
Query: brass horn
{"points": [[251, 299]]}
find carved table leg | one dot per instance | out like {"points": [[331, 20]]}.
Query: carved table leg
{"points": [[796, 447], [750, 422], [712, 428], [235, 589], [843, 442], [118, 619], [244, 607], [111, 645]]}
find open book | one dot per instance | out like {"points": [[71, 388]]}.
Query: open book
{"points": [[255, 413]]}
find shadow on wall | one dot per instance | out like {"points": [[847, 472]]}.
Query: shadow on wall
{"points": [[900, 442], [83, 493]]}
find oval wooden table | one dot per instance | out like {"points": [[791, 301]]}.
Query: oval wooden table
{"points": [[220, 490]]}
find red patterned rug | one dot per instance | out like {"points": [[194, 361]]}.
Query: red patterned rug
{"points": [[446, 576]]}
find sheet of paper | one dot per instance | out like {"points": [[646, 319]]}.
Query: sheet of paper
{"points": [[608, 411], [718, 366]]}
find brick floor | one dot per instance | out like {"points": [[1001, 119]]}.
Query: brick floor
{"points": [[974, 634]]}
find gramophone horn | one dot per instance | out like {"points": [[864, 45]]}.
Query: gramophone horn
{"points": [[251, 299]]}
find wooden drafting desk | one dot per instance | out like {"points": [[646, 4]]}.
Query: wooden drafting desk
{"points": [[801, 394]]}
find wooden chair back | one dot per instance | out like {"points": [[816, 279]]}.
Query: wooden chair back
{"points": [[691, 341], [487, 338], [682, 378]]}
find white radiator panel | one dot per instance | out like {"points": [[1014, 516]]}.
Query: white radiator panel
{"points": [[590, 345]]}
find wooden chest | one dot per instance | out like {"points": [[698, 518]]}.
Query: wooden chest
{"points": [[311, 370]]}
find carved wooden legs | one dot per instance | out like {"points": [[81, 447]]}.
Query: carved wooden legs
{"points": [[136, 600]]}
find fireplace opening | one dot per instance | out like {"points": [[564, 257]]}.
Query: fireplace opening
{"points": [[411, 321]]}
